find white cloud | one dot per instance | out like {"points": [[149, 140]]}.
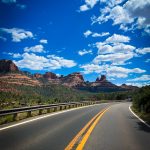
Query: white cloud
{"points": [[118, 48], [112, 3], [15, 55], [144, 50], [94, 34], [142, 78], [112, 71], [100, 34], [130, 16], [66, 63], [88, 5], [87, 33], [36, 48], [115, 58], [139, 84], [9, 1], [18, 34], [51, 62], [114, 50], [84, 52], [116, 38], [90, 68], [43, 41], [84, 8]]}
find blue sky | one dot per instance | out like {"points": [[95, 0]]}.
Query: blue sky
{"points": [[93, 37]]}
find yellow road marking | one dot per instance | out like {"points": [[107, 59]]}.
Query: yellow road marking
{"points": [[85, 138], [72, 143]]}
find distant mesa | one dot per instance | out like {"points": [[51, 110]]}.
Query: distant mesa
{"points": [[73, 80], [8, 66]]}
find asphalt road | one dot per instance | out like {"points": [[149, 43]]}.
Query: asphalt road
{"points": [[117, 129]]}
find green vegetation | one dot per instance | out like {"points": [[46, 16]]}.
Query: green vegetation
{"points": [[30, 95], [141, 103]]}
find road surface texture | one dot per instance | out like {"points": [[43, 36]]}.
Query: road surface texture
{"points": [[119, 130], [115, 128]]}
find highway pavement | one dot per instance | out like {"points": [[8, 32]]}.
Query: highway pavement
{"points": [[100, 127]]}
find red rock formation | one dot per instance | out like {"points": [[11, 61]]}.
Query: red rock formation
{"points": [[8, 66], [102, 79], [50, 75], [38, 75], [73, 79]]}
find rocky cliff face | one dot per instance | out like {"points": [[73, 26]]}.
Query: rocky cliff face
{"points": [[8, 66], [73, 80], [50, 75], [102, 79], [101, 84], [38, 75]]}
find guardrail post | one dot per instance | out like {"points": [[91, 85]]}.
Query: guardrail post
{"points": [[48, 110], [55, 109], [29, 114], [61, 107], [15, 117], [40, 112]]}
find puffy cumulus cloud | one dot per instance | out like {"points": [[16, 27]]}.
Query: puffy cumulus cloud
{"points": [[114, 51], [18, 34], [120, 72], [87, 33], [117, 14], [117, 38], [90, 68], [112, 3], [94, 34], [66, 63], [8, 1], [84, 52], [43, 41], [84, 7], [51, 62], [118, 48], [14, 55], [88, 5], [130, 16], [36, 49], [112, 71], [143, 50], [115, 58], [141, 78], [100, 34]]}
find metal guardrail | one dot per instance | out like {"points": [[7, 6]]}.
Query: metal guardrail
{"points": [[40, 108]]}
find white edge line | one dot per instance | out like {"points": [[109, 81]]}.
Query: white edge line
{"points": [[138, 117], [45, 116]]}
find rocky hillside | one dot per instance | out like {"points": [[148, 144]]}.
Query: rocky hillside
{"points": [[10, 74]]}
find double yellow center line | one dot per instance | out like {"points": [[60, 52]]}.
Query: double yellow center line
{"points": [[86, 130]]}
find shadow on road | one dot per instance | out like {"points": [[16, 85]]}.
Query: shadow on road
{"points": [[141, 126]]}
